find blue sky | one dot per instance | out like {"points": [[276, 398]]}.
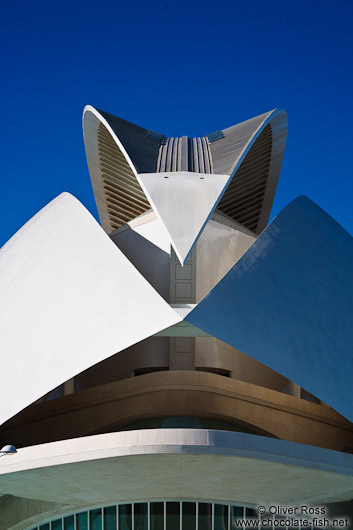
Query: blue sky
{"points": [[179, 68]]}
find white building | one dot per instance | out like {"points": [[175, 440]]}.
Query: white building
{"points": [[188, 367]]}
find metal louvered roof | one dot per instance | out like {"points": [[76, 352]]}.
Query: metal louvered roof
{"points": [[184, 154], [250, 153], [244, 196], [124, 196]]}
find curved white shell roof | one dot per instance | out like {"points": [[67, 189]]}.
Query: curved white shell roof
{"points": [[69, 299], [162, 463], [288, 303]]}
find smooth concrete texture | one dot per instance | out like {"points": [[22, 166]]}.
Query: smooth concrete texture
{"points": [[69, 299], [213, 353], [184, 201], [221, 244], [288, 303], [115, 406], [145, 242], [175, 464], [17, 513], [152, 229]]}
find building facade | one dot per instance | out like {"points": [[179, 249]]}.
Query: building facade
{"points": [[184, 363]]}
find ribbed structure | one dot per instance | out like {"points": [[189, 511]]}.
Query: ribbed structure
{"points": [[199, 157], [250, 152], [140, 144], [244, 196], [124, 196], [184, 154], [173, 155]]}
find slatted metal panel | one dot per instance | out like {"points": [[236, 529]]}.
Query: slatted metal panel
{"points": [[140, 146], [200, 157], [243, 199], [158, 137], [171, 154], [184, 154], [150, 152], [123, 194], [226, 152]]}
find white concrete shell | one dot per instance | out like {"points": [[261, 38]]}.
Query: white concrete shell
{"points": [[69, 299], [288, 303], [184, 201], [178, 464]]}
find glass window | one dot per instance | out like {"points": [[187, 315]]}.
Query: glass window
{"points": [[82, 521], [250, 513], [125, 517], [57, 525], [110, 518], [173, 515], [140, 516], [205, 516], [95, 519], [220, 517], [69, 523], [236, 513], [189, 515], [157, 515]]}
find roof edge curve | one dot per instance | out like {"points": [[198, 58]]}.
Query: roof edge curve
{"points": [[74, 306], [228, 453], [91, 120], [278, 121]]}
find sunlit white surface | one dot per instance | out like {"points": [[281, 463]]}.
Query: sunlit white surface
{"points": [[153, 230], [184, 202], [288, 303], [173, 463], [69, 299]]}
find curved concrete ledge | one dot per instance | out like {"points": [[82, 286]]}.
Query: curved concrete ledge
{"points": [[176, 463], [112, 406]]}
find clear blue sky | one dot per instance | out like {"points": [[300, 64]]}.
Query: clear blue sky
{"points": [[179, 68]]}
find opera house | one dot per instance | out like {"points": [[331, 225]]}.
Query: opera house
{"points": [[184, 363]]}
